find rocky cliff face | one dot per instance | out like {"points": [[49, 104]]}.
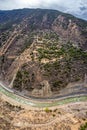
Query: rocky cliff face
{"points": [[69, 30]]}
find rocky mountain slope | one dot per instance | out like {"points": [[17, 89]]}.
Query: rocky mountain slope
{"points": [[67, 26], [41, 51]]}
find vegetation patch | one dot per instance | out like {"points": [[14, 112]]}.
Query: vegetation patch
{"points": [[83, 127]]}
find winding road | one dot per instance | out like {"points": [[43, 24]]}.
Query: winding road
{"points": [[23, 101]]}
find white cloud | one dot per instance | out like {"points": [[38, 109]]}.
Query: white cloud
{"points": [[71, 6]]}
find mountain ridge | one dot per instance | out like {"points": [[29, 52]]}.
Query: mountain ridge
{"points": [[37, 15]]}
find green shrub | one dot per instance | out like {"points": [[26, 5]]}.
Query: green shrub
{"points": [[47, 110], [83, 127]]}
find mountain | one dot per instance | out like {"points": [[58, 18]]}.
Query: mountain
{"points": [[67, 26], [41, 50]]}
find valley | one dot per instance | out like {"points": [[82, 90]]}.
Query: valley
{"points": [[43, 70]]}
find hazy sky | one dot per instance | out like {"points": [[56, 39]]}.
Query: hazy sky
{"points": [[76, 7]]}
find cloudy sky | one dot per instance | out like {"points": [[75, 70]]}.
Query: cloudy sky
{"points": [[75, 7]]}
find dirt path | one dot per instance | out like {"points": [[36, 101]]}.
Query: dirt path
{"points": [[8, 43], [19, 61]]}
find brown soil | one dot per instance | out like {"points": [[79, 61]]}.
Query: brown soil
{"points": [[66, 117]]}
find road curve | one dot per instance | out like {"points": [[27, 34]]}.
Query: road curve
{"points": [[42, 102]]}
